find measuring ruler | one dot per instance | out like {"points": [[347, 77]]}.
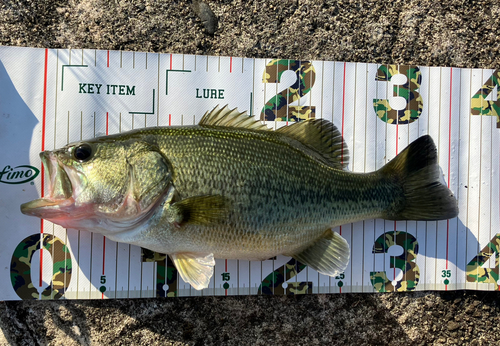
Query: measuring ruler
{"points": [[50, 97]]}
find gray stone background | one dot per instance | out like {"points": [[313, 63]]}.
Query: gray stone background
{"points": [[455, 33]]}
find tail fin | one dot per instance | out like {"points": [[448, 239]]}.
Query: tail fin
{"points": [[424, 196]]}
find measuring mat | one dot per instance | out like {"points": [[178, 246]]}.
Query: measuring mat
{"points": [[50, 97]]}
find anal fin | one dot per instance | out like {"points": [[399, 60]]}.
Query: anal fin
{"points": [[329, 255], [195, 269]]}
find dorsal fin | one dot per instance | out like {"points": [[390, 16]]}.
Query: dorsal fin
{"points": [[231, 118], [323, 137]]}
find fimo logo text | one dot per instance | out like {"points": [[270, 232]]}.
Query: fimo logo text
{"points": [[18, 175]]}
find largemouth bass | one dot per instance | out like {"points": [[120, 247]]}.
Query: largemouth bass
{"points": [[231, 188]]}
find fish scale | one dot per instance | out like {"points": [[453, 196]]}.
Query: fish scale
{"points": [[231, 188], [309, 196]]}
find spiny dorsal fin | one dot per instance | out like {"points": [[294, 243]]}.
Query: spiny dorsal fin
{"points": [[323, 137], [231, 118]]}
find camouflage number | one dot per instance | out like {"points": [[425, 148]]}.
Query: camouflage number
{"points": [[475, 272], [405, 262], [163, 263], [276, 108], [478, 103], [408, 91], [273, 283], [20, 267]]}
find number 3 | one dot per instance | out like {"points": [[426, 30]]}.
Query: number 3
{"points": [[408, 91], [405, 262]]}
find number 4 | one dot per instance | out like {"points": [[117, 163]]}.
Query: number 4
{"points": [[478, 103], [475, 272]]}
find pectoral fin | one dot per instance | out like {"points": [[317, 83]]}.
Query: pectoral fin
{"points": [[194, 269], [198, 210], [329, 255]]}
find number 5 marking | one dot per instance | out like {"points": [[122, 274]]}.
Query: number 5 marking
{"points": [[276, 108], [408, 91], [405, 262]]}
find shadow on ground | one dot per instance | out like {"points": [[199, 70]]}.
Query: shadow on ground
{"points": [[348, 319]]}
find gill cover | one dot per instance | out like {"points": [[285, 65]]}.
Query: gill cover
{"points": [[150, 174]]}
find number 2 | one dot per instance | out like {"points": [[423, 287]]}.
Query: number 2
{"points": [[276, 108], [273, 283]]}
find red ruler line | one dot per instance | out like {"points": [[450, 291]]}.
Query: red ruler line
{"points": [[288, 91], [107, 123], [42, 192], [449, 168], [397, 150], [342, 146], [104, 238], [342, 134]]}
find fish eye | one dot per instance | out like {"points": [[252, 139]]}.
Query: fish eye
{"points": [[82, 152]]}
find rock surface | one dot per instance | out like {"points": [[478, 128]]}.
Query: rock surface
{"points": [[438, 33]]}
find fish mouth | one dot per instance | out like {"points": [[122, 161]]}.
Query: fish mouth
{"points": [[60, 191]]}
